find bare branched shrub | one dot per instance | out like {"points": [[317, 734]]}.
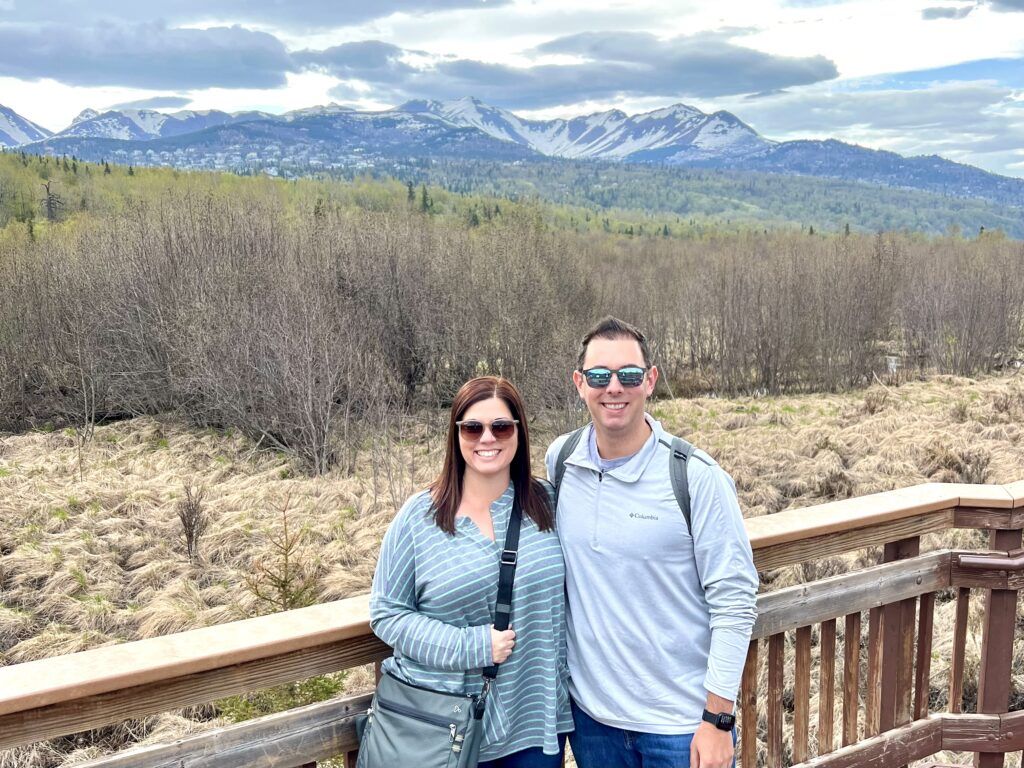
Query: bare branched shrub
{"points": [[303, 322], [194, 520]]}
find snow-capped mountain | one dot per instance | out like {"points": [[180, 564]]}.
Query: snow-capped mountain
{"points": [[334, 137], [85, 114], [672, 134], [15, 129], [148, 124]]}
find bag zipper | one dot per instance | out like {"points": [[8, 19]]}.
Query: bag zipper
{"points": [[472, 696], [415, 715]]}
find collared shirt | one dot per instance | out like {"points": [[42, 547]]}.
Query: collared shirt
{"points": [[433, 602], [657, 617]]}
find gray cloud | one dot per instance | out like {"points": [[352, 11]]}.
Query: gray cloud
{"points": [[370, 60], [296, 14], [945, 12], [1007, 6], [155, 102], [149, 55], [612, 65]]}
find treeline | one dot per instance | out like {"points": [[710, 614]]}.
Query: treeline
{"points": [[309, 320], [700, 200]]}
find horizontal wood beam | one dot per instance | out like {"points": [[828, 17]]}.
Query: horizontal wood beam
{"points": [[114, 706], [830, 598], [307, 734], [817, 547], [114, 667], [896, 747], [983, 733]]}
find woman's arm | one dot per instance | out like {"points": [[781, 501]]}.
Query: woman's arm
{"points": [[395, 619]]}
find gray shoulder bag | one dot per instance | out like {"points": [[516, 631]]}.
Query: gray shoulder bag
{"points": [[412, 725]]}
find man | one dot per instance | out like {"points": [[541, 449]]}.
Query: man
{"points": [[659, 618]]}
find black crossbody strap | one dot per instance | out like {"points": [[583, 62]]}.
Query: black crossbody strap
{"points": [[506, 579]]}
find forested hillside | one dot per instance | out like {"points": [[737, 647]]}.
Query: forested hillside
{"points": [[306, 312]]}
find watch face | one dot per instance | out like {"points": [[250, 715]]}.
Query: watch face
{"points": [[726, 722]]}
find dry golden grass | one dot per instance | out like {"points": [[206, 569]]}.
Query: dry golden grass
{"points": [[97, 557]]}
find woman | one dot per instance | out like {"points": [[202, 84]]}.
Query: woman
{"points": [[436, 583]]}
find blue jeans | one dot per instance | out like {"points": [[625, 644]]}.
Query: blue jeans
{"points": [[596, 745], [529, 758]]}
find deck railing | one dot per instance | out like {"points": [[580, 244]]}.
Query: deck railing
{"points": [[880, 718]]}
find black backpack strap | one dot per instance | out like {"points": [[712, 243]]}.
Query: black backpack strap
{"points": [[506, 580], [563, 454], [681, 451]]}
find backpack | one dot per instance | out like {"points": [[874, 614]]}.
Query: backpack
{"points": [[680, 452]]}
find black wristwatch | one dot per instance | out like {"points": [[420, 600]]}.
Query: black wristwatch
{"points": [[723, 721]]}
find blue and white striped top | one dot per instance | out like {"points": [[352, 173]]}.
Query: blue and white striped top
{"points": [[433, 602]]}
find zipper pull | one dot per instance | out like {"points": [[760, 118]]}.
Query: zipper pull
{"points": [[451, 733]]}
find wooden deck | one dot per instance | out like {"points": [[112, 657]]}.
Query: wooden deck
{"points": [[883, 716]]}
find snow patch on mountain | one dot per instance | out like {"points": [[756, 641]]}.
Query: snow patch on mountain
{"points": [[609, 135], [16, 130]]}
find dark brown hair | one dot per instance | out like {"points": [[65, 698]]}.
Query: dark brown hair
{"points": [[613, 328], [446, 490]]}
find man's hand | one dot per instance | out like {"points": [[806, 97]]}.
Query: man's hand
{"points": [[711, 748]]}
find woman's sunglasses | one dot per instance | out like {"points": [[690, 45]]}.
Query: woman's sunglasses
{"points": [[471, 429], [630, 376]]}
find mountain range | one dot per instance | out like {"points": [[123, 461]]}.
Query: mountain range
{"points": [[335, 137]]}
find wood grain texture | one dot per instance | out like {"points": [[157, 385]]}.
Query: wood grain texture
{"points": [[956, 668], [873, 685], [816, 547], [115, 706], [826, 686], [283, 740], [923, 664], [776, 662], [748, 709], [803, 604], [894, 747], [802, 694], [851, 678]]}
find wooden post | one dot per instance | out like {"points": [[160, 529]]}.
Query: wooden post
{"points": [[922, 670], [897, 638], [997, 647], [748, 709], [776, 662], [826, 686], [851, 678], [802, 694], [956, 669]]}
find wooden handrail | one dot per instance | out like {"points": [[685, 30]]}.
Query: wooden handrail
{"points": [[66, 694], [114, 667]]}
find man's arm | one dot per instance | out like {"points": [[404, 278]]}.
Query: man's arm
{"points": [[725, 565]]}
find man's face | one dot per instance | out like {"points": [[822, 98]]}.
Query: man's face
{"points": [[615, 409]]}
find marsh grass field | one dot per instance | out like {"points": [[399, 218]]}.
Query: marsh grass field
{"points": [[92, 551]]}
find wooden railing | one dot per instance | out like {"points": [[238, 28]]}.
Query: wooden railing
{"points": [[878, 719]]}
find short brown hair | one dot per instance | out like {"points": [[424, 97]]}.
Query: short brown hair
{"points": [[613, 328]]}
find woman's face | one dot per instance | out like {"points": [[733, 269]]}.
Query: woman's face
{"points": [[488, 455]]}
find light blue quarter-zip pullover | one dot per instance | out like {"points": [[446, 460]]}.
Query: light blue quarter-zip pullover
{"points": [[656, 617]]}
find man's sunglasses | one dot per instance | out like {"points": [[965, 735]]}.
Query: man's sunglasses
{"points": [[630, 376], [471, 429]]}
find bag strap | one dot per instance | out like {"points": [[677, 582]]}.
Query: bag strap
{"points": [[680, 453], [503, 606], [563, 454], [677, 468]]}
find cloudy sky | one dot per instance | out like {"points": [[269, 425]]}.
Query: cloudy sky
{"points": [[917, 77]]}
